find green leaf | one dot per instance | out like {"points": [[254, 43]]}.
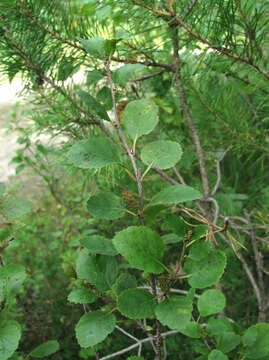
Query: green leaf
{"points": [[12, 277], [140, 117], [136, 304], [97, 244], [170, 239], [99, 270], [191, 329], [127, 72], [66, 68], [81, 296], [124, 282], [217, 355], [135, 358], [174, 194], [206, 270], [110, 46], [176, 224], [256, 341], [219, 326], [174, 312], [46, 349], [106, 205], [93, 105], [94, 46], [163, 154], [93, 153], [211, 302], [93, 77], [142, 247], [2, 188], [10, 333], [12, 208], [94, 327], [227, 341]]}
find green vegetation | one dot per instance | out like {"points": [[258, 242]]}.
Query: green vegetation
{"points": [[148, 237]]}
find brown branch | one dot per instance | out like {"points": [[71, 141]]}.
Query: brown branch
{"points": [[141, 342], [188, 115], [259, 269]]}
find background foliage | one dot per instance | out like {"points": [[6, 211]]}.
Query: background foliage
{"points": [[149, 235]]}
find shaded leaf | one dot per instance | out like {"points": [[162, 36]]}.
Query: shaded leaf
{"points": [[46, 349], [97, 244], [174, 312], [124, 282], [136, 303], [163, 154], [12, 208], [142, 247], [105, 205], [93, 105], [140, 117], [99, 270], [93, 153], [174, 194], [94, 327], [256, 341], [94, 46], [211, 302], [206, 270], [10, 333], [217, 355], [81, 296]]}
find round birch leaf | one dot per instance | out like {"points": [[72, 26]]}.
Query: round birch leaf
{"points": [[136, 304], [10, 334], [174, 312], [46, 349], [124, 282], [81, 296], [94, 46], [93, 153], [94, 327], [105, 205], [256, 340], [163, 154], [97, 244], [191, 329], [140, 117], [13, 208], [12, 277], [174, 194], [99, 270], [217, 355], [227, 341], [207, 271], [211, 302], [142, 247]]}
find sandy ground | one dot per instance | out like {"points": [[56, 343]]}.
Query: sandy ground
{"points": [[9, 95]]}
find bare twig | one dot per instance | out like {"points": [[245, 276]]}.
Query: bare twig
{"points": [[187, 113], [259, 269], [215, 189], [216, 215], [141, 342], [178, 175], [149, 76], [190, 8]]}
